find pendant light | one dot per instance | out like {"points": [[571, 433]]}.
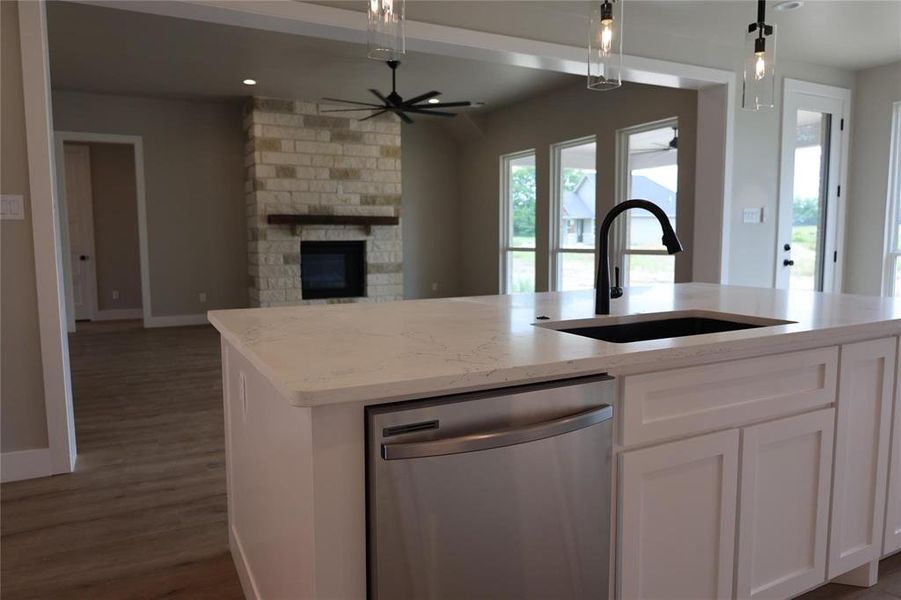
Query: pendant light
{"points": [[605, 45], [386, 29], [759, 83]]}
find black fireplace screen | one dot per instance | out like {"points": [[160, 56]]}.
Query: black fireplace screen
{"points": [[332, 269]]}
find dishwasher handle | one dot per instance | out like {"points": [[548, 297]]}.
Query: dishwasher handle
{"points": [[475, 442]]}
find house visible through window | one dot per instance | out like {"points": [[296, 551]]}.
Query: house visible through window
{"points": [[892, 284], [518, 222], [650, 161], [573, 254]]}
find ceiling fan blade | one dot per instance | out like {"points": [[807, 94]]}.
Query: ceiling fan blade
{"points": [[422, 97], [350, 102], [379, 95], [403, 116], [443, 105], [436, 113], [375, 114]]}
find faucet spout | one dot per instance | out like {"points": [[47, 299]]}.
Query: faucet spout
{"points": [[670, 240]]}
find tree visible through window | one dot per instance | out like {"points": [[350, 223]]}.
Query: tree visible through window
{"points": [[519, 214]]}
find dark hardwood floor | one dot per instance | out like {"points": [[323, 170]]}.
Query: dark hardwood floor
{"points": [[144, 513]]}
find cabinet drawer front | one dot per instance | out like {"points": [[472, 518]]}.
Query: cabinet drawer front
{"points": [[681, 402]]}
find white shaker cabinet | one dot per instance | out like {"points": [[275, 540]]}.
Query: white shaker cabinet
{"points": [[678, 505], [866, 385], [786, 469], [892, 541]]}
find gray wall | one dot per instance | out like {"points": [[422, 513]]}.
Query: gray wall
{"points": [[118, 262], [877, 90], [563, 115], [431, 211], [23, 422], [194, 174]]}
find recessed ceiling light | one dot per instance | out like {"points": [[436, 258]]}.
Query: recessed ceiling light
{"points": [[789, 5], [434, 100], [250, 82]]}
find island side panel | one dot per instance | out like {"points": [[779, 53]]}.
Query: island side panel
{"points": [[339, 456], [270, 484]]}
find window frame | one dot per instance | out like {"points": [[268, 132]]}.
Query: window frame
{"points": [[506, 221], [556, 252], [893, 205], [619, 252]]}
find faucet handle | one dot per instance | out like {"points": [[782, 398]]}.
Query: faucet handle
{"points": [[616, 291]]}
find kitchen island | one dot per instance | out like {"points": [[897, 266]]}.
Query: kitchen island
{"points": [[750, 463]]}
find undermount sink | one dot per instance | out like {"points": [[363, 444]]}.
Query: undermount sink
{"points": [[640, 328]]}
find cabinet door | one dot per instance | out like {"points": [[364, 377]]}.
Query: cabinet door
{"points": [[786, 472], [863, 426], [893, 510], [678, 519]]}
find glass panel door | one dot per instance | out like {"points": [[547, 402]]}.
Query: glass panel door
{"points": [[809, 199], [574, 200], [809, 229], [651, 173], [519, 212]]}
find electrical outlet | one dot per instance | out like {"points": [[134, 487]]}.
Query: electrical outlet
{"points": [[12, 207], [202, 297], [115, 294], [435, 286]]}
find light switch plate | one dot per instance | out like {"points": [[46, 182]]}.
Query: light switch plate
{"points": [[752, 215], [12, 207]]}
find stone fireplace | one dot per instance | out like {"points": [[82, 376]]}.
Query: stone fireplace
{"points": [[314, 179]]}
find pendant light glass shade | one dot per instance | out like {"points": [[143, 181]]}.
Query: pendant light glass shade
{"points": [[386, 29], [759, 81], [605, 45]]}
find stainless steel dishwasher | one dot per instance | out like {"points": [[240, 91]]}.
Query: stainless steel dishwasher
{"points": [[501, 495]]}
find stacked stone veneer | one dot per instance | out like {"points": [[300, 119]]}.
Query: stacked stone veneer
{"points": [[302, 162]]}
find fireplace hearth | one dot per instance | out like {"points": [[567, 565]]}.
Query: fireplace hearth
{"points": [[333, 269]]}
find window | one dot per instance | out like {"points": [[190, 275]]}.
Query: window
{"points": [[518, 222], [892, 284], [648, 156], [573, 201]]}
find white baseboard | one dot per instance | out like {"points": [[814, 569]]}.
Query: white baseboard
{"points": [[248, 585], [176, 320], [25, 464], [118, 314]]}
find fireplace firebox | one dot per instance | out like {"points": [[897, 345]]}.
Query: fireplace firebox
{"points": [[333, 269]]}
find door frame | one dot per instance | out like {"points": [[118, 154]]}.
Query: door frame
{"points": [[794, 93], [137, 142], [65, 232]]}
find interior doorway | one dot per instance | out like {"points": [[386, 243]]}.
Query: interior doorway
{"points": [[811, 218], [102, 227]]}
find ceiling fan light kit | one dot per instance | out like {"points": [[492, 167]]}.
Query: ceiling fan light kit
{"points": [[758, 89], [605, 45], [385, 29]]}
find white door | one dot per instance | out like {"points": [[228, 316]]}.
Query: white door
{"points": [[809, 228], [786, 476], [79, 204], [892, 542], [866, 385], [677, 517]]}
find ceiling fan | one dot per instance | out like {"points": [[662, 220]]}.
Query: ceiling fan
{"points": [[673, 144], [424, 104]]}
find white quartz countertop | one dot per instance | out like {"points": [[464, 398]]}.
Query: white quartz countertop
{"points": [[377, 352]]}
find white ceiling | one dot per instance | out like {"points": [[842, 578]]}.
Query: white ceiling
{"points": [[113, 51], [850, 34]]}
